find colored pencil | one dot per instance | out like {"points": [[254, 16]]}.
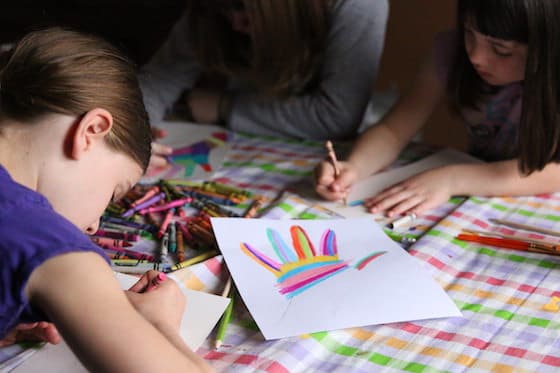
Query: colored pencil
{"points": [[526, 227], [225, 320], [509, 243]]}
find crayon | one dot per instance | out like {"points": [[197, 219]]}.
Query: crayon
{"points": [[117, 235], [194, 260], [180, 243], [149, 194], [151, 201], [166, 206], [110, 242], [164, 247], [253, 209], [130, 253], [165, 222], [172, 237]]}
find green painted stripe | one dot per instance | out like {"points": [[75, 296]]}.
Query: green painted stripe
{"points": [[379, 359], [508, 316], [267, 167], [308, 215]]}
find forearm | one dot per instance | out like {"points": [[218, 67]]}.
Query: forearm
{"points": [[503, 179], [374, 150]]}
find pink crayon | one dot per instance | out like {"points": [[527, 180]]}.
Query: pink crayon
{"points": [[145, 204], [149, 194], [166, 206], [166, 222]]}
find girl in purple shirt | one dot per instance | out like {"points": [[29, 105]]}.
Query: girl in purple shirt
{"points": [[500, 73], [74, 134]]}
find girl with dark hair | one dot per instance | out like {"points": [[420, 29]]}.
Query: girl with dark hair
{"points": [[291, 68], [500, 72], [74, 134]]}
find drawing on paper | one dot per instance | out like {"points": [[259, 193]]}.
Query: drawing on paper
{"points": [[197, 153], [302, 266]]}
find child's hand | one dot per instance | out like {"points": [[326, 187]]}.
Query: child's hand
{"points": [[159, 153], [414, 195], [158, 299], [330, 187], [32, 332]]}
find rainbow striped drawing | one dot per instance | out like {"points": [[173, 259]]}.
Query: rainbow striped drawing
{"points": [[302, 267]]}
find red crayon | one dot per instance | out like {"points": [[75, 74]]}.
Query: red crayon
{"points": [[117, 235], [110, 242]]}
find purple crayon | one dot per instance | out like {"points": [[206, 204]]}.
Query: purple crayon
{"points": [[143, 205]]}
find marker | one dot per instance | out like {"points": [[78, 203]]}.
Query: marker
{"points": [[402, 221]]}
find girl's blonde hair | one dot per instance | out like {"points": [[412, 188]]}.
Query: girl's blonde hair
{"points": [[67, 72], [281, 54]]}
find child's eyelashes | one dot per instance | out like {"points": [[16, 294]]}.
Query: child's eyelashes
{"points": [[501, 52]]}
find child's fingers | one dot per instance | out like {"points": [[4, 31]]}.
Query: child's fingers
{"points": [[161, 149], [156, 281], [144, 281], [158, 133], [324, 173]]}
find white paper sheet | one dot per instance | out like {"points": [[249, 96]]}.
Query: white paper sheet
{"points": [[392, 287], [378, 182], [204, 143], [201, 315]]}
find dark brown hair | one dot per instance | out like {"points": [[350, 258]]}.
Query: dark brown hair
{"points": [[284, 47], [536, 24], [68, 72]]}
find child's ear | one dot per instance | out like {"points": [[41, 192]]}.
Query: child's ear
{"points": [[88, 131]]}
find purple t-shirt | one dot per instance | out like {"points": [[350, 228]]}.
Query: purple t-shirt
{"points": [[493, 129], [30, 233]]}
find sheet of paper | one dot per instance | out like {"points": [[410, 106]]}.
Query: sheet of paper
{"points": [[382, 180], [201, 315], [304, 276], [199, 150]]}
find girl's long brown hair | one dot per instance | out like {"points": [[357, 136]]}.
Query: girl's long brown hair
{"points": [[283, 49], [68, 72], [537, 24]]}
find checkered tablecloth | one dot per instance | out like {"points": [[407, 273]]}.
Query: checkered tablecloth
{"points": [[501, 293], [507, 298]]}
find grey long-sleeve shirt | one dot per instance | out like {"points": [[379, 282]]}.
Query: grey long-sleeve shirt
{"points": [[333, 109]]}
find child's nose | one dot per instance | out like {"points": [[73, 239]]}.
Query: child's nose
{"points": [[92, 228], [477, 55]]}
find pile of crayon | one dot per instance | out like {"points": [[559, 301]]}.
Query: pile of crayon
{"points": [[166, 226]]}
